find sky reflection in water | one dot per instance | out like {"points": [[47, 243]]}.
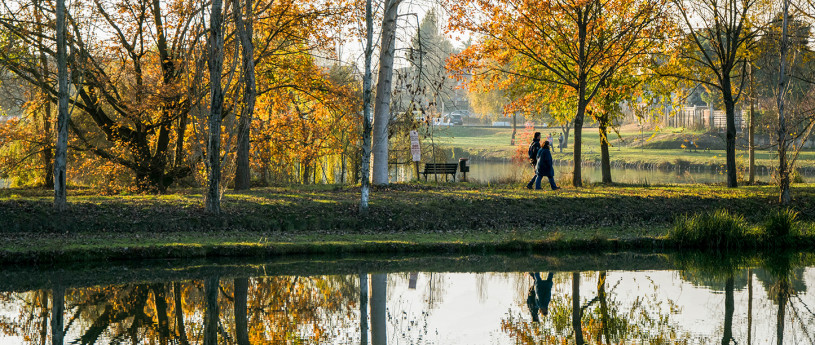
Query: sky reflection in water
{"points": [[689, 303]]}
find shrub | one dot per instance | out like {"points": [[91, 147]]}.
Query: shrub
{"points": [[781, 224], [718, 229], [796, 177]]}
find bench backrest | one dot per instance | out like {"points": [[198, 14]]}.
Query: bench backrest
{"points": [[441, 167]]}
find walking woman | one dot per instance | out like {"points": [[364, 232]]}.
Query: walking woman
{"points": [[545, 167]]}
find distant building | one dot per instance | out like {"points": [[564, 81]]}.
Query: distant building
{"points": [[703, 117]]}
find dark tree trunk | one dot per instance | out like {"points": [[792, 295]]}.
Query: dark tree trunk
{"points": [[782, 297], [179, 314], [211, 289], [244, 28], [576, 312], [363, 308], [604, 316], [161, 313], [47, 150], [749, 306], [751, 139], [241, 317], [306, 171], [179, 140], [57, 311], [566, 129], [730, 112], [605, 159], [61, 157], [727, 337], [783, 165], [43, 299], [216, 61], [577, 178]]}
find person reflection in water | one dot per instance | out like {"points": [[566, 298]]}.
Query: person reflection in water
{"points": [[540, 294]]}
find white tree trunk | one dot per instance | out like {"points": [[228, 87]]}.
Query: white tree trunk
{"points": [[365, 162], [216, 61], [60, 157], [383, 93]]}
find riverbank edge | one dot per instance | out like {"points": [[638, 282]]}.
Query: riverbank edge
{"points": [[404, 218], [34, 255], [500, 156]]}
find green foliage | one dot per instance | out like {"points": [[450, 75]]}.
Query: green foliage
{"points": [[781, 225], [796, 177], [718, 229]]}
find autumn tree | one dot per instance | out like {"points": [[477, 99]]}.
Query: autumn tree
{"points": [[286, 31], [128, 98], [576, 44], [714, 36], [627, 87]]}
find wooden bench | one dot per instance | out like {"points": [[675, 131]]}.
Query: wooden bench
{"points": [[441, 168]]}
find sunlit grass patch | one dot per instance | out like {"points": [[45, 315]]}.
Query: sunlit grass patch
{"points": [[781, 225], [718, 229]]}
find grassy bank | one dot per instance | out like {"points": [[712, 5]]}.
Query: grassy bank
{"points": [[647, 149], [457, 218]]}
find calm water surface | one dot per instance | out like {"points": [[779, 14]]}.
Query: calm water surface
{"points": [[667, 300], [488, 171]]}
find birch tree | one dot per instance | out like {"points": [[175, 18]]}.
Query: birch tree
{"points": [[365, 167], [383, 93]]}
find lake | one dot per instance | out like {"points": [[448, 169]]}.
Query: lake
{"points": [[682, 298], [496, 171]]}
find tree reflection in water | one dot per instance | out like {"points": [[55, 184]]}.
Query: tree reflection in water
{"points": [[601, 319], [269, 310], [764, 304]]}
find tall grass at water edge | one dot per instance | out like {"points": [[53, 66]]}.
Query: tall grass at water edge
{"points": [[717, 229], [782, 226], [723, 230]]}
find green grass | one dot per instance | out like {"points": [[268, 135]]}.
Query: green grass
{"points": [[717, 229], [781, 225], [459, 218]]}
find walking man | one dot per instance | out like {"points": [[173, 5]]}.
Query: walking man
{"points": [[560, 142], [534, 147]]}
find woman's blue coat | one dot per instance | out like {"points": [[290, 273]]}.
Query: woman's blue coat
{"points": [[544, 166]]}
